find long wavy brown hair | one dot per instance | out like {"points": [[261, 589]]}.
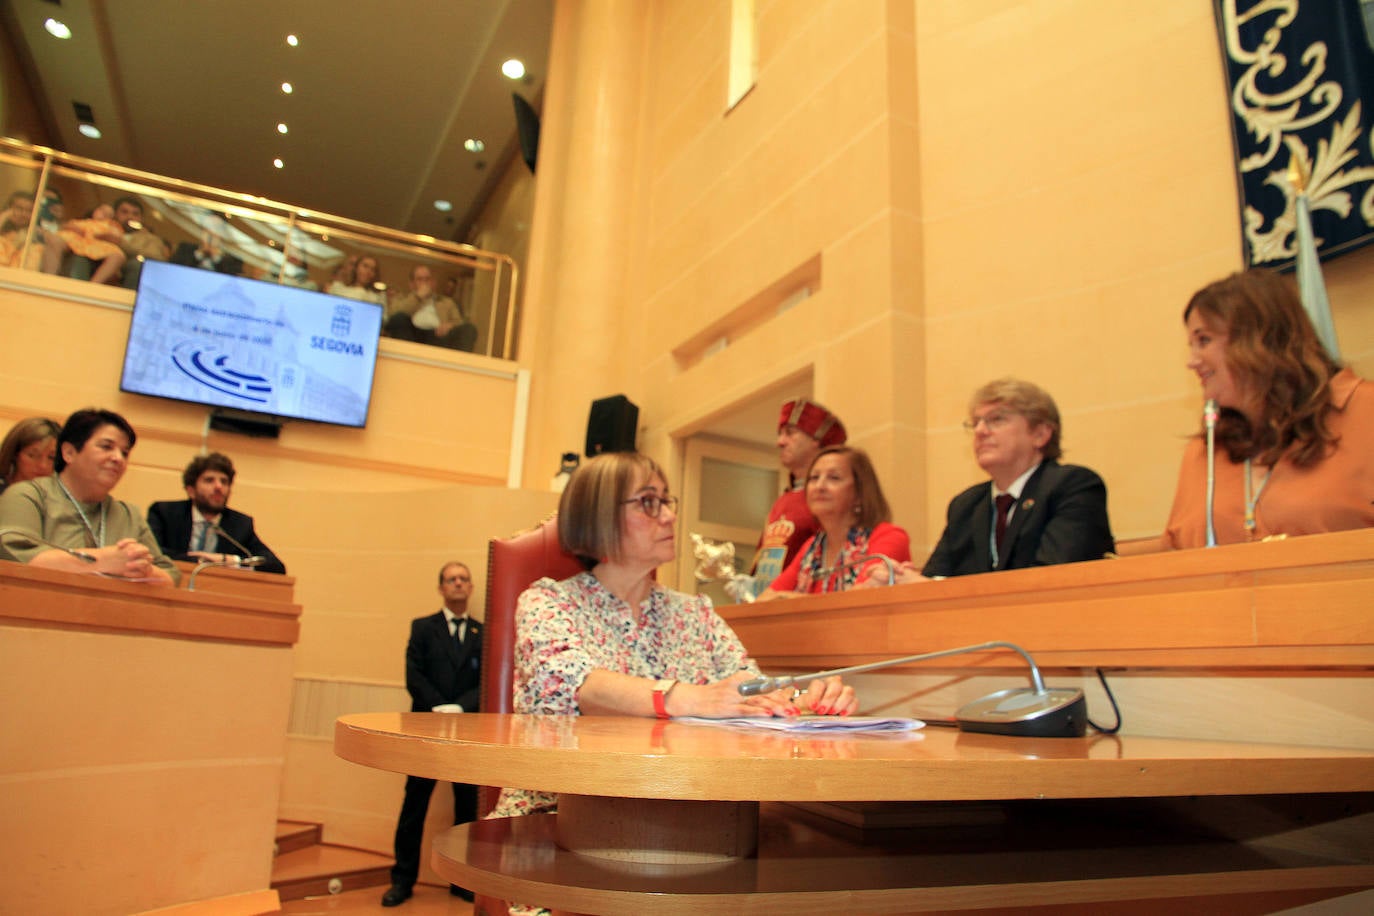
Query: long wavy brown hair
{"points": [[1271, 349]]}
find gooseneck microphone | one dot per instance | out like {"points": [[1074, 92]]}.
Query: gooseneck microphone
{"points": [[248, 558], [1209, 420], [1037, 711], [26, 539], [888, 563], [206, 564]]}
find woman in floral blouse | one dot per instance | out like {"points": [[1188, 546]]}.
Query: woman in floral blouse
{"points": [[612, 641], [842, 491]]}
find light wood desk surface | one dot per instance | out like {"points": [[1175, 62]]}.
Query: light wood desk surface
{"points": [[643, 758], [663, 817]]}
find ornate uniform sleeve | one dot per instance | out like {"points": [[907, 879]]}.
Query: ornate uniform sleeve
{"points": [[787, 579]]}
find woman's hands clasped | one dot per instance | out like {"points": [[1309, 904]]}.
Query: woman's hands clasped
{"points": [[127, 558]]}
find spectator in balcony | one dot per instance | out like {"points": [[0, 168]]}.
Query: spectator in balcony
{"points": [[53, 211], [296, 272], [210, 253], [364, 283], [139, 243], [343, 274], [47, 249], [424, 316], [97, 237]]}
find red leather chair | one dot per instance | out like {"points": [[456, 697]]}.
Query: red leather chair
{"points": [[512, 565]]}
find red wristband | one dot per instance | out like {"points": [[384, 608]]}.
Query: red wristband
{"points": [[661, 690]]}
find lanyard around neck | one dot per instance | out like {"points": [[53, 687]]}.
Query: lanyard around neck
{"points": [[98, 539]]}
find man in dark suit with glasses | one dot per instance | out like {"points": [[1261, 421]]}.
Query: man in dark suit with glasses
{"points": [[443, 675]]}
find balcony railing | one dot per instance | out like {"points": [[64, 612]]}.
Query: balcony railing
{"points": [[58, 215]]}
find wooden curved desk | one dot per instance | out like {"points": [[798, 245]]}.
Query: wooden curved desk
{"points": [[661, 817]]}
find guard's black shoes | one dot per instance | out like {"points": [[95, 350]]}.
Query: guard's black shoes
{"points": [[396, 895]]}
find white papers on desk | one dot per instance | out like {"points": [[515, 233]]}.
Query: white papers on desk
{"points": [[813, 724]]}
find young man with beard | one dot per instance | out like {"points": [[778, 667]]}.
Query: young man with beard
{"points": [[202, 526]]}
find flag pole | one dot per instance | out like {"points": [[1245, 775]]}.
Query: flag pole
{"points": [[1311, 286]]}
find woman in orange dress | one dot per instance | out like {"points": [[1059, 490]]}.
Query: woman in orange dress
{"points": [[1295, 437], [97, 237]]}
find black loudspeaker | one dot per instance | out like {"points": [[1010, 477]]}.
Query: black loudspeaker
{"points": [[611, 426], [527, 127], [245, 423]]}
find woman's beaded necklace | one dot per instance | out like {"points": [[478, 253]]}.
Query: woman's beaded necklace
{"points": [[1252, 497]]}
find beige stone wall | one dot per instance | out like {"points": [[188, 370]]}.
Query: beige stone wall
{"points": [[970, 190]]}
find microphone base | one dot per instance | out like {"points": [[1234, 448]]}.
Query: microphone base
{"points": [[1060, 712]]}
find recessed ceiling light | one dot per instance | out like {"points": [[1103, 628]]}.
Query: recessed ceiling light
{"points": [[292, 40], [513, 68], [278, 163], [281, 128], [443, 206], [473, 145], [89, 130], [57, 28], [287, 88]]}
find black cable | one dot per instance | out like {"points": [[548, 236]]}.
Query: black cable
{"points": [[1115, 709]]}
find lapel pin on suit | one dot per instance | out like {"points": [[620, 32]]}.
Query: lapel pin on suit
{"points": [[1028, 502]]}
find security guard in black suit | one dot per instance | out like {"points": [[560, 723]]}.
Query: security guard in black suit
{"points": [[443, 668]]}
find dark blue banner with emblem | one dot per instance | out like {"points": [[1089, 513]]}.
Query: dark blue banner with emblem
{"points": [[1301, 80]]}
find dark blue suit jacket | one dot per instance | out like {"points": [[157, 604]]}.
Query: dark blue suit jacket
{"points": [[1061, 518], [170, 522]]}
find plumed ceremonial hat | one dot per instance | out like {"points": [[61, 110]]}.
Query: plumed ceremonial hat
{"points": [[814, 420]]}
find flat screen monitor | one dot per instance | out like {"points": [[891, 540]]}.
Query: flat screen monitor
{"points": [[226, 341]]}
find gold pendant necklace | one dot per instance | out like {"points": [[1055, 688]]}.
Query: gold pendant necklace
{"points": [[1252, 499]]}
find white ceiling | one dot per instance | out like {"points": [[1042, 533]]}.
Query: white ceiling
{"points": [[386, 91]]}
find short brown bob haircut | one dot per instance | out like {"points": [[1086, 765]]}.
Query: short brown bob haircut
{"points": [[868, 494], [589, 511], [1030, 401]]}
